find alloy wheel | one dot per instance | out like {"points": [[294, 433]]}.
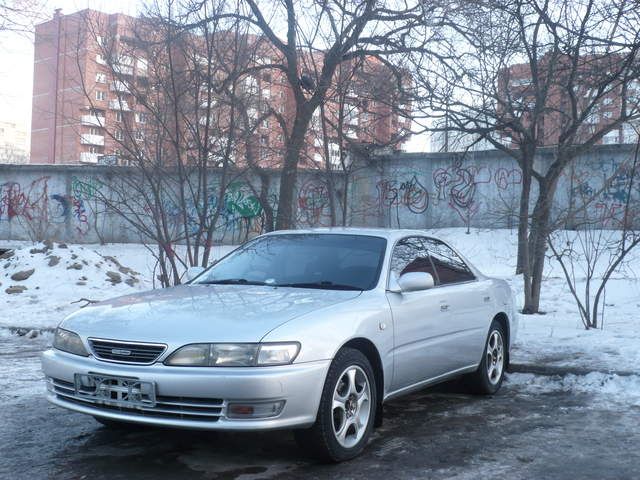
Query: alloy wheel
{"points": [[351, 406], [495, 357]]}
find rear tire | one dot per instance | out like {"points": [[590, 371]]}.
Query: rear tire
{"points": [[347, 410], [488, 378]]}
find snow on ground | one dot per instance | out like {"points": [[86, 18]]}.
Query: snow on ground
{"points": [[610, 390], [556, 338], [62, 274]]}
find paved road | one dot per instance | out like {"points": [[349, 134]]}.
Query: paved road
{"points": [[435, 434]]}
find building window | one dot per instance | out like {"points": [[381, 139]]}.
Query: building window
{"points": [[141, 117], [100, 95], [94, 149], [607, 114], [119, 135], [265, 123], [250, 85], [100, 59], [280, 108], [118, 116], [139, 135], [264, 140], [101, 77], [266, 77], [95, 131]]}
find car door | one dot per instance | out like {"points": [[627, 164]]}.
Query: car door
{"points": [[469, 302], [421, 319]]}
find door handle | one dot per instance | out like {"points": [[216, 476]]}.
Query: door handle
{"points": [[444, 307], [487, 299]]}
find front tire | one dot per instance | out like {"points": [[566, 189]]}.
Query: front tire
{"points": [[487, 380], [347, 409]]}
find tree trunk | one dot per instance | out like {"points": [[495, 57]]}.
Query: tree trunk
{"points": [[285, 217], [523, 223], [538, 242]]}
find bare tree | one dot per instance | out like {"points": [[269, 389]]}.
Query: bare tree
{"points": [[531, 73], [593, 253], [366, 111], [173, 126], [340, 31], [20, 15]]}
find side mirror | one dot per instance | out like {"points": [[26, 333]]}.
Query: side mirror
{"points": [[193, 272], [414, 281]]}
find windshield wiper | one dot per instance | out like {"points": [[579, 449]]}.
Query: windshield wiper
{"points": [[233, 281], [326, 285]]}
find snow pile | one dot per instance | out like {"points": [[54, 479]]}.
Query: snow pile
{"points": [[38, 283], [609, 389]]}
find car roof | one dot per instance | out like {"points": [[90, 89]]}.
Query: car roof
{"points": [[388, 233]]}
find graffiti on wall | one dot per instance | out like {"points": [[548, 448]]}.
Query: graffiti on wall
{"points": [[456, 188], [604, 191], [32, 204], [313, 203], [66, 204]]}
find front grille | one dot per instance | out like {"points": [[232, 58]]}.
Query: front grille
{"points": [[177, 408], [126, 352]]}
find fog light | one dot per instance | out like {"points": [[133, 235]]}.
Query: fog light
{"points": [[255, 410]]}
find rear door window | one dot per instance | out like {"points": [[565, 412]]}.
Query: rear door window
{"points": [[449, 267]]}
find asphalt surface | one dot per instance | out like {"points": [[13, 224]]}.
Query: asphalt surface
{"points": [[435, 434]]}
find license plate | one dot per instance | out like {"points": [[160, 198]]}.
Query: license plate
{"points": [[116, 391]]}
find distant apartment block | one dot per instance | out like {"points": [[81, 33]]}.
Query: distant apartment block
{"points": [[82, 101], [13, 143], [516, 87]]}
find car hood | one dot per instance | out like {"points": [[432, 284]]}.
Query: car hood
{"points": [[200, 313]]}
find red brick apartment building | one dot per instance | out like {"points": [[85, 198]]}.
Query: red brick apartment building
{"points": [[81, 100], [516, 88]]}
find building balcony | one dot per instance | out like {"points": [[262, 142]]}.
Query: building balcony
{"points": [[122, 69], [92, 120], [88, 157], [122, 105], [121, 87], [89, 139]]}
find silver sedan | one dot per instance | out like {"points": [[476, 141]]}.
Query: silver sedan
{"points": [[311, 330]]}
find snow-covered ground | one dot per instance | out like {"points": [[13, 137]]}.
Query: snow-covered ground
{"points": [[64, 274], [556, 338]]}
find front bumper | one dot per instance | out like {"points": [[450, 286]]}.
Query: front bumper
{"points": [[194, 397]]}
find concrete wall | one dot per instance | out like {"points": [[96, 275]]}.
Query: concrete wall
{"points": [[480, 189]]}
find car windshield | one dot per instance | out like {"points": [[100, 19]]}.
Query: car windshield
{"points": [[325, 261]]}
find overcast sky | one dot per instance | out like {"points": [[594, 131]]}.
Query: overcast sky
{"points": [[16, 62]]}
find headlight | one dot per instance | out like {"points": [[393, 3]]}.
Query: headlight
{"points": [[234, 354], [69, 342]]}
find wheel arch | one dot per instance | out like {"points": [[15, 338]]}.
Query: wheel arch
{"points": [[369, 350], [503, 320]]}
